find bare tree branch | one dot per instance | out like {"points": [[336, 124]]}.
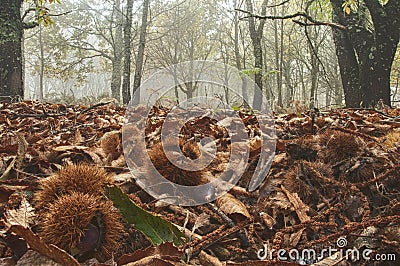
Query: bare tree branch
{"points": [[279, 4], [295, 15]]}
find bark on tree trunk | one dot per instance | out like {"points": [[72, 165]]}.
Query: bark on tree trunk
{"points": [[11, 83], [118, 53], [366, 50], [314, 79], [348, 67], [256, 34], [288, 81], [126, 82], [386, 21], [41, 58], [277, 64], [238, 59], [140, 56]]}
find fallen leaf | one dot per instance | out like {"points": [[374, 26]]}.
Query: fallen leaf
{"points": [[32, 257], [157, 229], [164, 251], [22, 216], [232, 206], [298, 205], [36, 243], [208, 260]]}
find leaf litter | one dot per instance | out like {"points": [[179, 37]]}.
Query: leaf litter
{"points": [[335, 174]]}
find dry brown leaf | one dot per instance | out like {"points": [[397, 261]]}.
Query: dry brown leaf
{"points": [[153, 260], [37, 244], [295, 237], [208, 260], [119, 162], [17, 161], [298, 205], [202, 220], [230, 205], [32, 257], [124, 177], [7, 190], [279, 158], [281, 200], [268, 220], [78, 137], [23, 216], [70, 148], [163, 254], [7, 261]]}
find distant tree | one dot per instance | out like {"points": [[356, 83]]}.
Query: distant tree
{"points": [[187, 32], [366, 35], [240, 61], [12, 25], [126, 76], [256, 35], [48, 57], [118, 50], [142, 44]]}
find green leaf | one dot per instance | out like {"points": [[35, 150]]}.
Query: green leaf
{"points": [[157, 229], [235, 108], [251, 71]]}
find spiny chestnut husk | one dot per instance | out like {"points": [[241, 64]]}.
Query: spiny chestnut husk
{"points": [[169, 170], [337, 146], [111, 144], [82, 224], [190, 149], [392, 139], [87, 179], [304, 179], [305, 148]]}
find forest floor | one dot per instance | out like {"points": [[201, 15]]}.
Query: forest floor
{"points": [[333, 185]]}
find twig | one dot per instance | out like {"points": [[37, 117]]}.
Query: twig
{"points": [[374, 110], [29, 174], [44, 115], [214, 239], [93, 107], [279, 4], [243, 238]]}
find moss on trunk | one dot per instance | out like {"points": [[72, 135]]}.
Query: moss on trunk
{"points": [[11, 83]]}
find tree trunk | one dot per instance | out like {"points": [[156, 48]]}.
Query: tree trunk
{"points": [[238, 59], [126, 81], [140, 56], [289, 87], [386, 21], [11, 83], [41, 74], [118, 53], [256, 34], [314, 75], [366, 50], [348, 67], [277, 64]]}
